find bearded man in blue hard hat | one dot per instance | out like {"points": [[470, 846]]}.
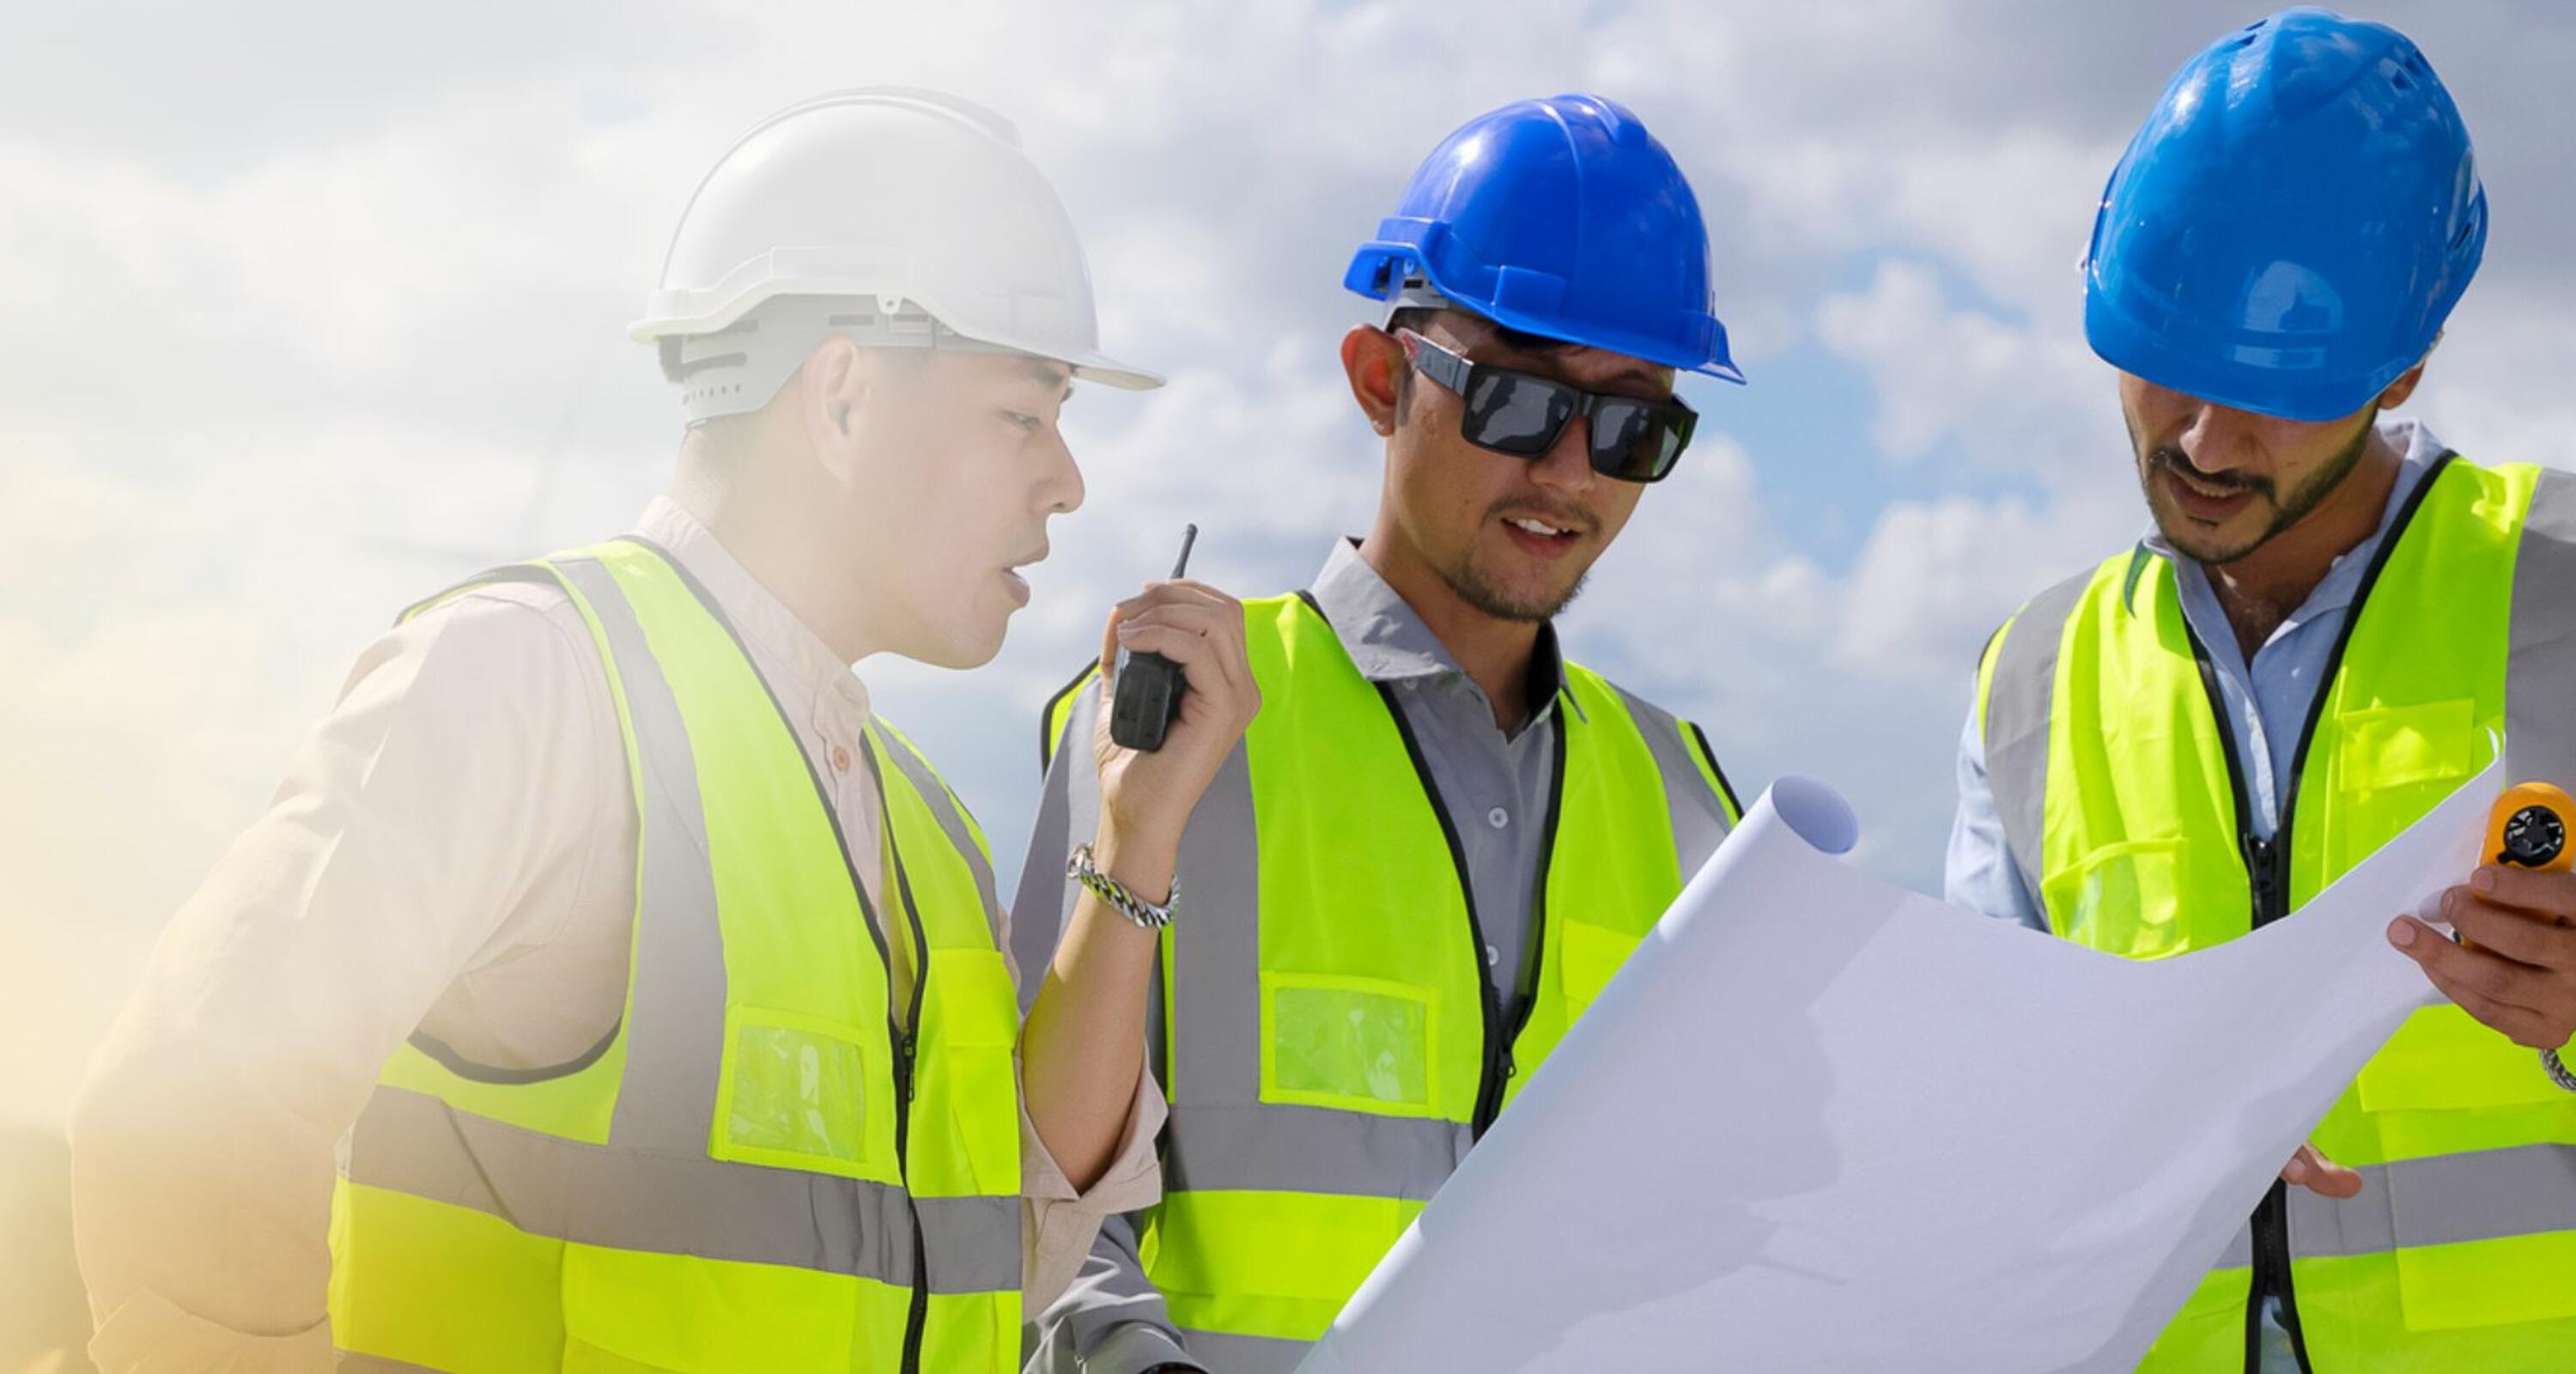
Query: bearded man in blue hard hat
{"points": [[1439, 837], [2332, 623]]}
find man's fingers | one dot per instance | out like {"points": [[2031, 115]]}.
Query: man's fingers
{"points": [[1220, 627], [2462, 972], [2509, 933], [2310, 1169], [1214, 666], [1197, 656], [2549, 896], [2499, 993]]}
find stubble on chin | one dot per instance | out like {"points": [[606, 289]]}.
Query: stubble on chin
{"points": [[1488, 596]]}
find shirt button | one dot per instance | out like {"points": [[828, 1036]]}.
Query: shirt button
{"points": [[840, 759], [1498, 818], [1493, 956]]}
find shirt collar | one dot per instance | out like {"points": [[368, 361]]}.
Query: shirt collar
{"points": [[2419, 450], [1388, 642], [812, 671]]}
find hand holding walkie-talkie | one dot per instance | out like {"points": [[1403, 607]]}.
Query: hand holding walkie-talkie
{"points": [[1147, 693]]}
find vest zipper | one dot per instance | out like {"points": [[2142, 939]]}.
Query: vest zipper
{"points": [[1494, 1059], [2271, 1221], [917, 1316], [2267, 873]]}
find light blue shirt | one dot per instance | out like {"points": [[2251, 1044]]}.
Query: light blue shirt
{"points": [[2266, 705]]}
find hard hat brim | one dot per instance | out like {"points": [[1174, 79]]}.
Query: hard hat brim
{"points": [[1380, 265], [2143, 352], [1094, 367]]}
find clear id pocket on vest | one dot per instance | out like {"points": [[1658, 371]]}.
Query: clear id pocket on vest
{"points": [[794, 1092], [1360, 1044], [2124, 898]]}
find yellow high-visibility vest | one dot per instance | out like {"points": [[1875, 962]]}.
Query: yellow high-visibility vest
{"points": [[759, 1169], [2122, 796], [1332, 1058]]}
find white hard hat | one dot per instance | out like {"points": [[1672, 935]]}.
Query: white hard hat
{"points": [[897, 217]]}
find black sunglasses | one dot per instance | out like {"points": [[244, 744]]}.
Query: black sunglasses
{"points": [[1523, 415]]}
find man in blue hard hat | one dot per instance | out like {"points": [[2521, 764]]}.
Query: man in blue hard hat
{"points": [[1440, 837], [2332, 623]]}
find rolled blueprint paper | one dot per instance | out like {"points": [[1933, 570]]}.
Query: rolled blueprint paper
{"points": [[1819, 1122]]}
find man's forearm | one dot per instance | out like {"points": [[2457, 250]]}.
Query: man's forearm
{"points": [[1084, 1043]]}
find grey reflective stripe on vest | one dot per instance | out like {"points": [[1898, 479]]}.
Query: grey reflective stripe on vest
{"points": [[2525, 1190], [2540, 667], [1277, 1147], [1243, 1354], [1695, 829], [951, 816], [2016, 723], [681, 1204], [675, 1033], [1212, 1034]]}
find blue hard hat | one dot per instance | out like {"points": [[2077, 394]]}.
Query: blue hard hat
{"points": [[2292, 226], [1562, 218]]}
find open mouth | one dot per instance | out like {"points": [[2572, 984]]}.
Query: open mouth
{"points": [[1540, 536], [1015, 576], [2202, 501]]}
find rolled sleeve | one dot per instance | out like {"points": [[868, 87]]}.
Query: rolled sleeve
{"points": [[1062, 1222]]}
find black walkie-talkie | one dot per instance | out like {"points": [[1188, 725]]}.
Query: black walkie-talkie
{"points": [[1147, 695]]}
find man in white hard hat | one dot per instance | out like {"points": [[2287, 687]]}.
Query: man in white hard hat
{"points": [[653, 995]]}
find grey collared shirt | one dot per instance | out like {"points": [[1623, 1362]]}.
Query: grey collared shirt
{"points": [[1495, 787]]}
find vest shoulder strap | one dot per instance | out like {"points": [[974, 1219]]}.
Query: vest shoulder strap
{"points": [[1059, 711], [2017, 677], [2540, 730]]}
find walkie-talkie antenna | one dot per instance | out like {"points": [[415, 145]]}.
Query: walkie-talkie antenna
{"points": [[1189, 537]]}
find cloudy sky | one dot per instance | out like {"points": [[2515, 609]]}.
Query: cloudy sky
{"points": [[305, 311]]}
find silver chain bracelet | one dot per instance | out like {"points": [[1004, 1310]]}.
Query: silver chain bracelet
{"points": [[2558, 1073], [1120, 897]]}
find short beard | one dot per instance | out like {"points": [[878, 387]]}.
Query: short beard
{"points": [[1501, 605], [2285, 512]]}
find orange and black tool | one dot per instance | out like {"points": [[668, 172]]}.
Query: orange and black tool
{"points": [[2528, 828]]}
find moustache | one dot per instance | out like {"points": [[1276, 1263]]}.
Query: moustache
{"points": [[2174, 460]]}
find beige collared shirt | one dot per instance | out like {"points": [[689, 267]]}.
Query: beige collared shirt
{"points": [[452, 850]]}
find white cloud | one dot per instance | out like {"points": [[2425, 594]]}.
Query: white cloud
{"points": [[2028, 398], [300, 317]]}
